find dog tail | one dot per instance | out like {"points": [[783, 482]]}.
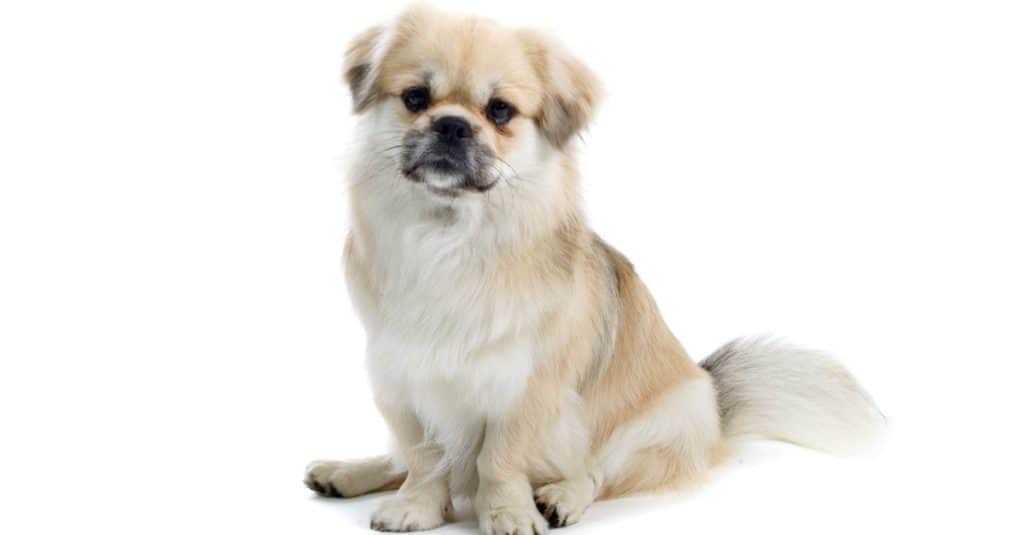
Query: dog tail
{"points": [[770, 389]]}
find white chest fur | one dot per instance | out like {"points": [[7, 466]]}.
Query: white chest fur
{"points": [[443, 340]]}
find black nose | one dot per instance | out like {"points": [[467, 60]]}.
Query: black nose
{"points": [[452, 129]]}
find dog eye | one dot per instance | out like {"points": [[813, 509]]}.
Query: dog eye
{"points": [[499, 111], [416, 98]]}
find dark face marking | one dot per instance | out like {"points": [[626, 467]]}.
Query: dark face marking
{"points": [[449, 147]]}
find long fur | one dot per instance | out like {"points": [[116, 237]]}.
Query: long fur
{"points": [[517, 358], [768, 388]]}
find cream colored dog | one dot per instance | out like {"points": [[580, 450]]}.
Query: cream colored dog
{"points": [[517, 357]]}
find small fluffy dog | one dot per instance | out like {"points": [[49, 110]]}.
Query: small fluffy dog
{"points": [[517, 358]]}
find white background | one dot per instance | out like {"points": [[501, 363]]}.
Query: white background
{"points": [[175, 337]]}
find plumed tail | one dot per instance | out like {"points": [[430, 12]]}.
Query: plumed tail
{"points": [[768, 388]]}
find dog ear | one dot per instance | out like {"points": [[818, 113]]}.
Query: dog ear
{"points": [[360, 73], [571, 90]]}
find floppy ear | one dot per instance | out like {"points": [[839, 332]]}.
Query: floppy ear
{"points": [[360, 72], [571, 90]]}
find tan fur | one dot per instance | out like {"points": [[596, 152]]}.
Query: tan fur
{"points": [[358, 72], [559, 261], [354, 478], [611, 403], [647, 361], [555, 89], [572, 89]]}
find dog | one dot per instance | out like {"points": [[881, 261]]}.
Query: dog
{"points": [[517, 358]]}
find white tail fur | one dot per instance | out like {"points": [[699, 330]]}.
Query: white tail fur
{"points": [[770, 389]]}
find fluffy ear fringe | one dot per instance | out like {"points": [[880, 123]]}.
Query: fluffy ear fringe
{"points": [[571, 92], [359, 70]]}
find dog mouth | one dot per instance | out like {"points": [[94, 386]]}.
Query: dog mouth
{"points": [[447, 170], [456, 190], [445, 165]]}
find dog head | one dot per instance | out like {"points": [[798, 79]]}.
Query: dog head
{"points": [[463, 106]]}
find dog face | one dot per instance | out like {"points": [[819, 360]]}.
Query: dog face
{"points": [[464, 104]]}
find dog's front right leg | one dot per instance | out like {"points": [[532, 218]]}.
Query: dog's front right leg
{"points": [[424, 499]]}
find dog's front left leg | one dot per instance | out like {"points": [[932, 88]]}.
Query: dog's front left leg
{"points": [[504, 500], [424, 499], [346, 479]]}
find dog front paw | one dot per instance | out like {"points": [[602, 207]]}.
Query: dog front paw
{"points": [[329, 478], [513, 521], [563, 503], [407, 514]]}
